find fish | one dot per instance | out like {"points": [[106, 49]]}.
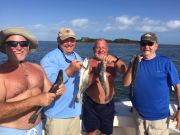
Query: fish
{"points": [[103, 78], [134, 73], [135, 68], [84, 74], [53, 89]]}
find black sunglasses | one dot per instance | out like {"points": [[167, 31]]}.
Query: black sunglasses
{"points": [[15, 43], [144, 43]]}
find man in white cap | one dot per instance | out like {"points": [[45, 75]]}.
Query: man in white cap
{"points": [[150, 93], [23, 85], [63, 115]]}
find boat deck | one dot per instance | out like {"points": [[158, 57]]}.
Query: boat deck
{"points": [[124, 123]]}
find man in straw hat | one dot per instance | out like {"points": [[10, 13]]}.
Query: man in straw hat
{"points": [[150, 94], [63, 116], [23, 85]]}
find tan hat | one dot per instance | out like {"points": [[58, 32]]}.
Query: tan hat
{"points": [[4, 34], [149, 36], [65, 33]]}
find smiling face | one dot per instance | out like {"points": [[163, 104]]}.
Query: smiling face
{"points": [[149, 51], [100, 49], [67, 45], [16, 51]]}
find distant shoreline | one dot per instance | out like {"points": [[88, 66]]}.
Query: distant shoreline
{"points": [[134, 42], [118, 41]]}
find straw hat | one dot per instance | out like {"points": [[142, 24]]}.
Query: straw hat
{"points": [[4, 34]]}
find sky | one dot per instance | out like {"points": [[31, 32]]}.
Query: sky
{"points": [[110, 19]]}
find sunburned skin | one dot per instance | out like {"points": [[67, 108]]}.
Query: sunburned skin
{"points": [[32, 86]]}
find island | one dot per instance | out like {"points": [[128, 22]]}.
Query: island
{"points": [[119, 40]]}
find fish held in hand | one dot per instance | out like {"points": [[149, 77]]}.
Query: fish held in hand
{"points": [[84, 79], [135, 66], [103, 78], [54, 88]]}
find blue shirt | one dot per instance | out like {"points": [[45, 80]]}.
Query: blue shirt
{"points": [[151, 89], [65, 106]]}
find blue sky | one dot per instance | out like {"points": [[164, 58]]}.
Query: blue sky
{"points": [[110, 19]]}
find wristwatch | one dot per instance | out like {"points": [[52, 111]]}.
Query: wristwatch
{"points": [[117, 59], [178, 108]]}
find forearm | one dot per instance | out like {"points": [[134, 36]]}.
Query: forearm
{"points": [[121, 67], [127, 78], [177, 88], [12, 109], [69, 71]]}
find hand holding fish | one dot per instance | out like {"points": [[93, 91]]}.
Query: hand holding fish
{"points": [[45, 99], [73, 67], [110, 59], [177, 118], [56, 89], [61, 90], [134, 58]]}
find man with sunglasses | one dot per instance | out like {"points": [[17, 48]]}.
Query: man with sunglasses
{"points": [[63, 115], [150, 93], [23, 85]]}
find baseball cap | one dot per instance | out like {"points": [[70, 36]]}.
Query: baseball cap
{"points": [[149, 36], [65, 33]]}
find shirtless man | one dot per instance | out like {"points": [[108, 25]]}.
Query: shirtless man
{"points": [[98, 112], [23, 85]]}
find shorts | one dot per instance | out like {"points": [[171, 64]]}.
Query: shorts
{"points": [[37, 130], [68, 126], [97, 116], [150, 127]]}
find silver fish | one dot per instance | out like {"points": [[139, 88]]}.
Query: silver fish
{"points": [[103, 78], [84, 79]]}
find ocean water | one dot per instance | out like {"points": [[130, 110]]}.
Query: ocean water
{"points": [[124, 52]]}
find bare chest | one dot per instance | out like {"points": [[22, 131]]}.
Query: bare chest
{"points": [[21, 80]]}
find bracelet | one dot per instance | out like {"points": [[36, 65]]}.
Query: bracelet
{"points": [[117, 59]]}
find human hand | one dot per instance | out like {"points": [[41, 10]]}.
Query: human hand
{"points": [[177, 118], [73, 67], [45, 99], [134, 57], [110, 58], [61, 90]]}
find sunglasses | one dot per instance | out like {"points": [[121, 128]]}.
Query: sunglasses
{"points": [[144, 43], [15, 43]]}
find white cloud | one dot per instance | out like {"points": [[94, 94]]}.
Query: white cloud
{"points": [[81, 23], [137, 23], [147, 28], [175, 24], [38, 26], [108, 28], [148, 21], [125, 20], [113, 25]]}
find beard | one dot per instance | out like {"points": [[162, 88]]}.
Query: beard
{"points": [[100, 56]]}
